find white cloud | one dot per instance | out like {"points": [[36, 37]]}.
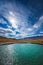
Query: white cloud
{"points": [[13, 21], [2, 21], [24, 31], [6, 32], [11, 13], [41, 18], [30, 29], [17, 16], [41, 31], [35, 25]]}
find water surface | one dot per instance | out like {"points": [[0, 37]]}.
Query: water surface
{"points": [[21, 54]]}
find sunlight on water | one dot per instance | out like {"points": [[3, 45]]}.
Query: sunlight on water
{"points": [[21, 54]]}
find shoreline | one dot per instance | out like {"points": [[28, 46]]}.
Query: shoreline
{"points": [[14, 41]]}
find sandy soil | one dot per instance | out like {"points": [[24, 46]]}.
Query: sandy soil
{"points": [[14, 41]]}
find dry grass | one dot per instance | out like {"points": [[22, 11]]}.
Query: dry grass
{"points": [[14, 41]]}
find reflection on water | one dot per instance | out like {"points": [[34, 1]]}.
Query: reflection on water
{"points": [[21, 54]]}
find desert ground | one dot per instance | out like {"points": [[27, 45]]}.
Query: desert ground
{"points": [[15, 41]]}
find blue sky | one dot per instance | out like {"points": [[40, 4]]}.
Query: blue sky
{"points": [[21, 18]]}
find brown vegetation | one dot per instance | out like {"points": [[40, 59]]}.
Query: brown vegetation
{"points": [[14, 41]]}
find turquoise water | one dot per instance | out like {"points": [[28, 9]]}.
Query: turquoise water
{"points": [[21, 54]]}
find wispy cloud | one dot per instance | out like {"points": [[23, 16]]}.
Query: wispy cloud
{"points": [[16, 19], [2, 21], [6, 32]]}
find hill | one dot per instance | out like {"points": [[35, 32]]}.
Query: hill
{"points": [[4, 40], [34, 37]]}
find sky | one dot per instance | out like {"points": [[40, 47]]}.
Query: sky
{"points": [[21, 18]]}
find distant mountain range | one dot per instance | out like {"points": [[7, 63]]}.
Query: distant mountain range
{"points": [[35, 40], [34, 37], [2, 37]]}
